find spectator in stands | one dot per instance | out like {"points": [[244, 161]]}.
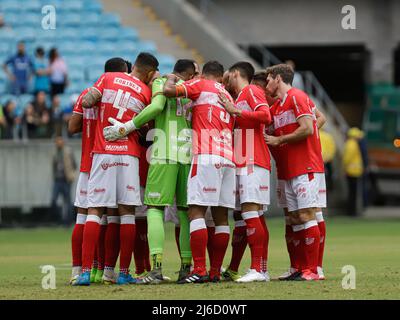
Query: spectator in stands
{"points": [[64, 170], [3, 24], [58, 73], [42, 111], [328, 147], [353, 165], [41, 72], [298, 78], [58, 116], [10, 119], [21, 70], [2, 122], [30, 122]]}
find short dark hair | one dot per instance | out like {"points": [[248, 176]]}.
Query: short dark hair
{"points": [[260, 79], [183, 65], [147, 62], [40, 51], [285, 71], [213, 68], [129, 65], [245, 69], [115, 65]]}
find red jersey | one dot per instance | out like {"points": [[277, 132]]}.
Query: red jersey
{"points": [[211, 124], [249, 144], [89, 118], [123, 97], [300, 157]]}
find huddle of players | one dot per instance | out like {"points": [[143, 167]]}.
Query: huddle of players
{"points": [[210, 154]]}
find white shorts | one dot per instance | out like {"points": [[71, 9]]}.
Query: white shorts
{"points": [[141, 211], [321, 190], [212, 181], [300, 192], [81, 193], [114, 179], [253, 185]]}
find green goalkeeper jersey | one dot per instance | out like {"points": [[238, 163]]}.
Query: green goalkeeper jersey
{"points": [[172, 134]]}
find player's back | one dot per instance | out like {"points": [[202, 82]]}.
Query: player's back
{"points": [[123, 96]]}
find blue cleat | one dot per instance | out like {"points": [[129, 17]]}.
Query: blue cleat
{"points": [[124, 278], [83, 280]]}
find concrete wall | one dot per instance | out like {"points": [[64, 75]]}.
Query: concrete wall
{"points": [[197, 32], [315, 22], [26, 177]]}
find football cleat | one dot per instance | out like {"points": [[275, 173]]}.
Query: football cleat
{"points": [[230, 275], [93, 275], [153, 277], [125, 278], [306, 275], [183, 273], [99, 276], [321, 273], [287, 274], [267, 276], [252, 276], [194, 278], [73, 279], [109, 277], [83, 280]]}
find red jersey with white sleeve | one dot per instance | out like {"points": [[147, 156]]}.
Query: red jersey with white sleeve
{"points": [[123, 97], [211, 124], [249, 145], [302, 157], [89, 118]]}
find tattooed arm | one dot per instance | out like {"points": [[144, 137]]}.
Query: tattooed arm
{"points": [[91, 98]]}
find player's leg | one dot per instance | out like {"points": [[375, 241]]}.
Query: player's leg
{"points": [[266, 242], [254, 192], [101, 250], [111, 245], [321, 222], [210, 234], [305, 226], [77, 232], [128, 197], [140, 251], [160, 190], [101, 194], [239, 244], [220, 241], [184, 230]]}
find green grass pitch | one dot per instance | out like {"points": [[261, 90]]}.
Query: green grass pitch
{"points": [[371, 246]]}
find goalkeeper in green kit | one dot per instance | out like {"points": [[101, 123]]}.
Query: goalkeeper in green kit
{"points": [[169, 166]]}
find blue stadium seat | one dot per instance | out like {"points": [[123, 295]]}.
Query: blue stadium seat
{"points": [[64, 34], [90, 19], [105, 47], [128, 34], [75, 87], [75, 61], [91, 34], [6, 97], [10, 6], [69, 20], [70, 5], [31, 5], [110, 20], [93, 6], [109, 33], [68, 48], [95, 72], [25, 34], [3, 86], [23, 100], [65, 100], [147, 46], [76, 74]]}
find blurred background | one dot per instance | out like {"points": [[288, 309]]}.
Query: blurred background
{"points": [[353, 75]]}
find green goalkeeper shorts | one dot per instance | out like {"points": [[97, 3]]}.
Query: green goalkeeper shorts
{"points": [[166, 183]]}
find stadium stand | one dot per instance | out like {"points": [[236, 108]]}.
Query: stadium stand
{"points": [[82, 28]]}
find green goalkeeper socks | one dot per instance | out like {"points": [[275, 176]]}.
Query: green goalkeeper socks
{"points": [[155, 230], [184, 237]]}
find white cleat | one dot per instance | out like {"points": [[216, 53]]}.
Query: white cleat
{"points": [[73, 279], [267, 276], [109, 277], [252, 276], [287, 274], [320, 273], [76, 271]]}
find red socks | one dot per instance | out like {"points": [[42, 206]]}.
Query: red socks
{"points": [[265, 244], [210, 241], [90, 238], [77, 239], [140, 246], [322, 231], [306, 242], [255, 238], [219, 245], [291, 248], [112, 241], [198, 244], [101, 243], [239, 244], [127, 241]]}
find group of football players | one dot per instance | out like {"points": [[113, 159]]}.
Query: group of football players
{"points": [[189, 147]]}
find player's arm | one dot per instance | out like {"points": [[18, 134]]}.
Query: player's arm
{"points": [[321, 119], [171, 89], [75, 123], [91, 98], [260, 115], [304, 130]]}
